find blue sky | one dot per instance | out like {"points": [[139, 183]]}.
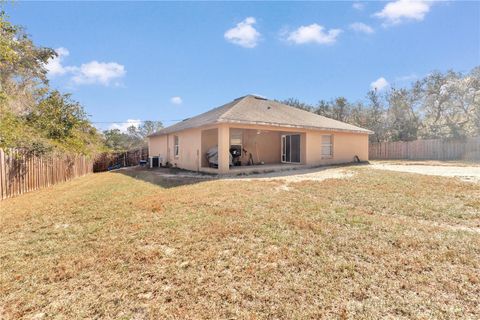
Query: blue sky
{"points": [[168, 61]]}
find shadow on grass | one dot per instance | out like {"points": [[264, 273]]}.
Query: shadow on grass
{"points": [[165, 177]]}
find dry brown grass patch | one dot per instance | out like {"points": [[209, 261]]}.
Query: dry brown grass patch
{"points": [[376, 245]]}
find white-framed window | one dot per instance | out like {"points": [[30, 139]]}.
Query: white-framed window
{"points": [[236, 137], [327, 146], [175, 146]]}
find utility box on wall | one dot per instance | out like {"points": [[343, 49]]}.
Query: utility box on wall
{"points": [[154, 162]]}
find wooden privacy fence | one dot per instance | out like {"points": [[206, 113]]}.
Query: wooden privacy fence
{"points": [[119, 159], [22, 171], [434, 149]]}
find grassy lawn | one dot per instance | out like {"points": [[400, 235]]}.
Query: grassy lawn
{"points": [[376, 245]]}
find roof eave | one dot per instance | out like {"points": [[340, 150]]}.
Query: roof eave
{"points": [[284, 125]]}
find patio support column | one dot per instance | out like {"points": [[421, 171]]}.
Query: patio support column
{"points": [[223, 148]]}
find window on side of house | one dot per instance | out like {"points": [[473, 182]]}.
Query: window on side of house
{"points": [[175, 146], [236, 137], [327, 146]]}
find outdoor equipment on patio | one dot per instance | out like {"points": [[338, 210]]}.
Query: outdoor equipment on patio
{"points": [[212, 157], [154, 162], [236, 152], [250, 160]]}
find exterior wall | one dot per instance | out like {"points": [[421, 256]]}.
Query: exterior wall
{"points": [[157, 146], [303, 148], [345, 147], [189, 142]]}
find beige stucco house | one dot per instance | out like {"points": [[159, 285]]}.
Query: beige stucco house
{"points": [[252, 131]]}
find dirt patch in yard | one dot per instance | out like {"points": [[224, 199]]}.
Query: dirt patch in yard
{"points": [[293, 176], [463, 172], [315, 174]]}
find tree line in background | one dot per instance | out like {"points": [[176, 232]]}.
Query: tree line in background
{"points": [[135, 137], [441, 105]]}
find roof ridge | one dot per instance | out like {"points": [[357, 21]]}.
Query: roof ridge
{"points": [[237, 101], [234, 104]]}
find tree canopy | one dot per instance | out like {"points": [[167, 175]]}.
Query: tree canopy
{"points": [[32, 115]]}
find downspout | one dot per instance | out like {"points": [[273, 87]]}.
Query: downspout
{"points": [[198, 160], [168, 149]]}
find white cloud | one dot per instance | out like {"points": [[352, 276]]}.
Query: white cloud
{"points": [[379, 84], [98, 72], [358, 5], [54, 65], [125, 125], [93, 72], [398, 11], [176, 100], [361, 27], [244, 34], [313, 33]]}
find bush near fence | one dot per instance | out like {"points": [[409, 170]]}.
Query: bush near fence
{"points": [[129, 158], [22, 171], [434, 149]]}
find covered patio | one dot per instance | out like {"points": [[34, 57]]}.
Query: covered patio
{"points": [[236, 149]]}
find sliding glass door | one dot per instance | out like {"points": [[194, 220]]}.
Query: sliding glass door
{"points": [[291, 148]]}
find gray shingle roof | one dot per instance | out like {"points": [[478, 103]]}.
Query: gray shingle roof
{"points": [[256, 110]]}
